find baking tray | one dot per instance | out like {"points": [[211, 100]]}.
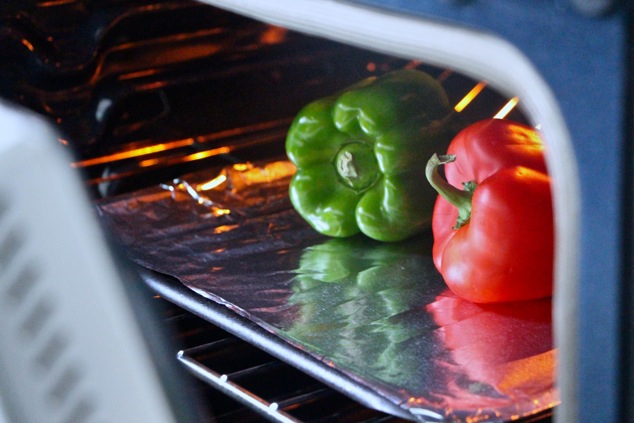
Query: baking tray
{"points": [[372, 320]]}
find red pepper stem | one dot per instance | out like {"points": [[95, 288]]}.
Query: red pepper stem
{"points": [[457, 197]]}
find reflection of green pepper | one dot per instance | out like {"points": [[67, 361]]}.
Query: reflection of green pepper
{"points": [[361, 305], [361, 155]]}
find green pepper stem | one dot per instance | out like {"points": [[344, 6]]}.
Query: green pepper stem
{"points": [[356, 166], [458, 198]]}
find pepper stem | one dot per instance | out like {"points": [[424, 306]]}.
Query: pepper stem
{"points": [[356, 166], [458, 198]]}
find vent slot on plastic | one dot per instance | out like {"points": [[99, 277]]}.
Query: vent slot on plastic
{"points": [[46, 368]]}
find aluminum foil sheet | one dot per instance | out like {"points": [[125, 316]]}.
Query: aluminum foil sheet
{"points": [[380, 313]]}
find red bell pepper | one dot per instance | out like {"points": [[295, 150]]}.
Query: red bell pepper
{"points": [[494, 239]]}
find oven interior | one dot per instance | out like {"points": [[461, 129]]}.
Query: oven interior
{"points": [[144, 92]]}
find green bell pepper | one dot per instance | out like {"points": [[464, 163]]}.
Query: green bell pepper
{"points": [[360, 156]]}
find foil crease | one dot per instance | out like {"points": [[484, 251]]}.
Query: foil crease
{"points": [[380, 313]]}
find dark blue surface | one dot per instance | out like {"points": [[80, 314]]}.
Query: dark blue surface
{"points": [[583, 61]]}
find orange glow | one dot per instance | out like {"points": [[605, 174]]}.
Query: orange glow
{"points": [[273, 35], [54, 3], [504, 111], [462, 104], [537, 369], [27, 44], [139, 74], [149, 162], [250, 175], [241, 167], [160, 162], [174, 158], [137, 152], [216, 211], [370, 67], [225, 228], [205, 154]]}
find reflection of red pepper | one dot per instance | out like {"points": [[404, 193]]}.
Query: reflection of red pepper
{"points": [[493, 241], [505, 346]]}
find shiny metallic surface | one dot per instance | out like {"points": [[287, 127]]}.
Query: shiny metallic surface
{"points": [[378, 313]]}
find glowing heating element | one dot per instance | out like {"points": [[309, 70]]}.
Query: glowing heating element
{"points": [[462, 104], [137, 152], [504, 111]]}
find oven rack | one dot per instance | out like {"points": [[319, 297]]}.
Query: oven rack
{"points": [[224, 328], [267, 387], [248, 375]]}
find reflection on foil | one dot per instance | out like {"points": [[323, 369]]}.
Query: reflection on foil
{"points": [[362, 307], [181, 185], [361, 302], [379, 313], [496, 352], [234, 180]]}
